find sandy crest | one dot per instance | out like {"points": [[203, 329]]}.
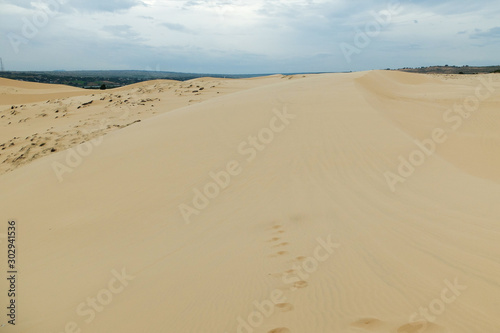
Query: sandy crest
{"points": [[39, 119]]}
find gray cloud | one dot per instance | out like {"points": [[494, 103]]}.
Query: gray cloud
{"points": [[231, 36], [176, 27], [121, 31], [208, 3], [493, 33], [452, 7], [78, 5]]}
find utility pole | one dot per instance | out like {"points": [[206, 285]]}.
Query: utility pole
{"points": [[2, 69]]}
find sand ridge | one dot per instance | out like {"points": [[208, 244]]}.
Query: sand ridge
{"points": [[33, 130]]}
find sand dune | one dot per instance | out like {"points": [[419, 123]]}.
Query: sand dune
{"points": [[40, 119], [327, 203], [19, 92]]}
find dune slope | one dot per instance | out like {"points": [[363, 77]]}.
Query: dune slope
{"points": [[306, 222], [37, 120]]}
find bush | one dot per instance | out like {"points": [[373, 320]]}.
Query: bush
{"points": [[103, 87]]}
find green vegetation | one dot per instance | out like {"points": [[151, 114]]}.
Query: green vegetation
{"points": [[110, 79], [448, 69]]}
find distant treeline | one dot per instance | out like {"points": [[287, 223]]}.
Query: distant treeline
{"points": [[111, 79], [453, 69]]}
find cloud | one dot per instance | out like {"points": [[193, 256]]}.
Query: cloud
{"points": [[104, 6], [78, 5], [121, 31], [230, 36], [493, 33], [27, 4], [207, 3], [176, 27], [453, 7]]}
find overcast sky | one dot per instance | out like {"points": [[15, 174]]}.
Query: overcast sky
{"points": [[247, 36]]}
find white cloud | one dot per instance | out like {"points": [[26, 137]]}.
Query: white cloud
{"points": [[78, 5], [176, 27], [493, 33], [242, 36]]}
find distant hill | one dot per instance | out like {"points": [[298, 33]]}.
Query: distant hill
{"points": [[112, 79], [117, 78], [453, 70]]}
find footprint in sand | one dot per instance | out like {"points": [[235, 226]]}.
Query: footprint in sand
{"points": [[281, 244], [367, 323], [299, 284], [281, 275], [279, 253], [280, 330], [285, 307], [274, 239], [300, 258], [421, 327]]}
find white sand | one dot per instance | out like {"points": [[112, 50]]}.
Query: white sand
{"points": [[431, 245]]}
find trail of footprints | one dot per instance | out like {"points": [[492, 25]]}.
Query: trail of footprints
{"points": [[279, 247], [376, 325], [280, 250]]}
